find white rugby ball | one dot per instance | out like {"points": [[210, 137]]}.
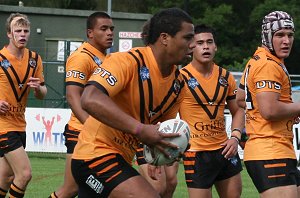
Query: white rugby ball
{"points": [[155, 157]]}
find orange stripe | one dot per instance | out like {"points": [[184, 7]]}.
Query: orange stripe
{"points": [[115, 175], [16, 189], [275, 165], [189, 171], [3, 139], [2, 193], [74, 139], [107, 168], [73, 129], [101, 161], [189, 163], [10, 196], [190, 154], [275, 176], [139, 149], [189, 180]]}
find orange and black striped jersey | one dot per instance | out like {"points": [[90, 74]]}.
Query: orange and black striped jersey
{"points": [[204, 104], [80, 66], [273, 139], [14, 76], [134, 82]]}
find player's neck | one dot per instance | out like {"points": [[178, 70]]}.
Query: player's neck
{"points": [[205, 69], [15, 51], [164, 66], [98, 47]]}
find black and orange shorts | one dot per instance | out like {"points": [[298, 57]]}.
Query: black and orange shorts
{"points": [[11, 140], [204, 168], [140, 160], [267, 174], [71, 138], [98, 177]]}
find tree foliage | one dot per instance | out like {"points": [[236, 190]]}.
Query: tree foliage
{"points": [[237, 23]]}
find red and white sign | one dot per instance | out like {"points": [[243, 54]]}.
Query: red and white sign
{"points": [[125, 45], [130, 35]]}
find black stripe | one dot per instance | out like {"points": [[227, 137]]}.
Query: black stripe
{"points": [[171, 104], [141, 90], [231, 97], [87, 54], [88, 51], [10, 79], [197, 98], [74, 83], [99, 86], [90, 54], [150, 88], [241, 86]]}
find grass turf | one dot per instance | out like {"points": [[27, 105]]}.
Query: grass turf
{"points": [[48, 173]]}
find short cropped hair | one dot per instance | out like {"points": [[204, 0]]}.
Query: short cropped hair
{"points": [[167, 21], [202, 28], [22, 21], [145, 32], [92, 19]]}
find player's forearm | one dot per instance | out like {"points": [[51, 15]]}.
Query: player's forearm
{"points": [[40, 92], [103, 108]]}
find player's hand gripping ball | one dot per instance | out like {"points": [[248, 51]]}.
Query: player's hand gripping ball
{"points": [[155, 157]]}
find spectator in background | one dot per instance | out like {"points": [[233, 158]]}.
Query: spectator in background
{"points": [[265, 93], [80, 66], [20, 71]]}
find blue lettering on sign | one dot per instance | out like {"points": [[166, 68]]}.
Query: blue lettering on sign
{"points": [[38, 137], [57, 138]]}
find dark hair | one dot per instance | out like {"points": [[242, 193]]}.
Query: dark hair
{"points": [[167, 21], [145, 32], [91, 20], [202, 28]]}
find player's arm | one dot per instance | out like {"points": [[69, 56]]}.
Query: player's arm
{"points": [[272, 109], [40, 90], [73, 94], [240, 98], [96, 102], [238, 122]]}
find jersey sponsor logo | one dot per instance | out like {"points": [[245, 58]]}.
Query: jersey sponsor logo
{"points": [[5, 64], [212, 125], [193, 83], [96, 185], [144, 73], [32, 62], [111, 80], [75, 74], [268, 84], [97, 60], [249, 118], [223, 81]]}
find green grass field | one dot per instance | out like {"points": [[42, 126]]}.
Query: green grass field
{"points": [[48, 171]]}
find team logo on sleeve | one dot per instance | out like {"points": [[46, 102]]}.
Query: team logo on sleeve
{"points": [[144, 73], [176, 86], [97, 60], [193, 83], [223, 81], [5, 64], [32, 63]]}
